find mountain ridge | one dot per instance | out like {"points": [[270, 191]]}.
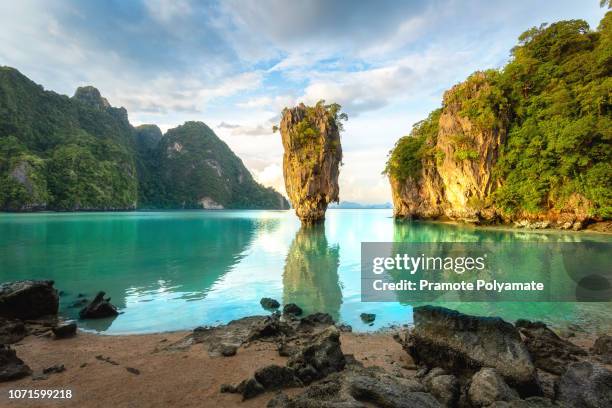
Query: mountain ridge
{"points": [[80, 153]]}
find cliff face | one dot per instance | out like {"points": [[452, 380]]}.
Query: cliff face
{"points": [[528, 144], [457, 162], [455, 178], [311, 140]]}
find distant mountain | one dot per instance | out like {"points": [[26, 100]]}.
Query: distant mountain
{"points": [[353, 205], [80, 153]]}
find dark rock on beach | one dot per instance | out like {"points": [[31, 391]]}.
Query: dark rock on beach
{"points": [[488, 386], [54, 369], [321, 356], [292, 309], [550, 352], [269, 303], [603, 349], [98, 308], [275, 377], [585, 385], [11, 331], [457, 342], [64, 330], [357, 386], [11, 366], [28, 299]]}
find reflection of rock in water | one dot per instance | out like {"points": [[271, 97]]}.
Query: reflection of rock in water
{"points": [[311, 272]]}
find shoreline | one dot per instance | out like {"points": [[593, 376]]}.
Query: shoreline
{"points": [[184, 368]]}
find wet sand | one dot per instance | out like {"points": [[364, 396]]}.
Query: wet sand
{"points": [[184, 378]]}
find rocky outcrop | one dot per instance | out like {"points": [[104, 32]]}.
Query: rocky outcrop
{"points": [[549, 352], [488, 386], [585, 385], [29, 299], [11, 331], [603, 348], [11, 366], [357, 386], [458, 342], [98, 308], [454, 179], [450, 170], [311, 140]]}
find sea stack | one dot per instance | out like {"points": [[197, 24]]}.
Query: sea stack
{"points": [[311, 139]]}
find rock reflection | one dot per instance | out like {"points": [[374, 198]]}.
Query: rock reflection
{"points": [[311, 278]]}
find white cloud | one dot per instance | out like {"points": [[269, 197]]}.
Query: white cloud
{"points": [[167, 10]]}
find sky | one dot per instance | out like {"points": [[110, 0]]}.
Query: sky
{"points": [[235, 64]]}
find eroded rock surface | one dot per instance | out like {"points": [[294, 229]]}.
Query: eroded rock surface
{"points": [[98, 308], [311, 140], [550, 352], [585, 385], [357, 386], [28, 299], [458, 342], [11, 366]]}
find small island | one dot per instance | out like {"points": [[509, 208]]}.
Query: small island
{"points": [[311, 140]]}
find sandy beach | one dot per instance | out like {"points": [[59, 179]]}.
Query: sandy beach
{"points": [[185, 378]]}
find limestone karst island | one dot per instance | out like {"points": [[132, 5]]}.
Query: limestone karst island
{"points": [[308, 204]]}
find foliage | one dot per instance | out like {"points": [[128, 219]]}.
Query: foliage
{"points": [[195, 164], [558, 144], [554, 100], [405, 159], [80, 153]]}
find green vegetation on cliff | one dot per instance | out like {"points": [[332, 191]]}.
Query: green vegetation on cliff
{"points": [[552, 103], [406, 158], [80, 153]]}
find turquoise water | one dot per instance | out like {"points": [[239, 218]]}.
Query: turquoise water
{"points": [[181, 269]]}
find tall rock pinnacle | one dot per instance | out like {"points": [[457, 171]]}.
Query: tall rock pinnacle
{"points": [[311, 139]]}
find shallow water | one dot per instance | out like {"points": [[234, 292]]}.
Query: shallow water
{"points": [[180, 269]]}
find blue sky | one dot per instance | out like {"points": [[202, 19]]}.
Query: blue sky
{"points": [[235, 64]]}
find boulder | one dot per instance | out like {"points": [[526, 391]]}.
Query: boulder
{"points": [[549, 352], [11, 331], [65, 330], [367, 317], [271, 326], [487, 387], [98, 308], [585, 385], [11, 366], [358, 387], [445, 388], [28, 299], [292, 309], [603, 348], [320, 356], [250, 388], [275, 377], [269, 303], [457, 342]]}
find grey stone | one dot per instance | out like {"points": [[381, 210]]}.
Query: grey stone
{"points": [[487, 387]]}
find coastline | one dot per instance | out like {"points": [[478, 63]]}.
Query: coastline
{"points": [[170, 369], [187, 378]]}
